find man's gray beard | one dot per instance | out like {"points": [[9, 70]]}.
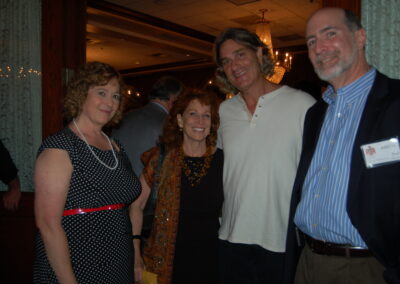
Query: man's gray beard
{"points": [[339, 68]]}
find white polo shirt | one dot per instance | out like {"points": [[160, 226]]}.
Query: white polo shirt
{"points": [[261, 154]]}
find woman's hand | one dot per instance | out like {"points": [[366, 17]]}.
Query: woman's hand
{"points": [[139, 268], [136, 216]]}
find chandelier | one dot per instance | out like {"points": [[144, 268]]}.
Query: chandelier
{"points": [[283, 61]]}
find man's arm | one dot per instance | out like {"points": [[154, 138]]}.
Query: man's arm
{"points": [[9, 175], [12, 197]]}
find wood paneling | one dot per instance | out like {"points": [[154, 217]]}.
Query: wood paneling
{"points": [[17, 231], [74, 33], [354, 5], [63, 49], [52, 65]]}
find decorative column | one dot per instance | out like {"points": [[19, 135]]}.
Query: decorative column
{"points": [[381, 20], [20, 83], [63, 49], [40, 42]]}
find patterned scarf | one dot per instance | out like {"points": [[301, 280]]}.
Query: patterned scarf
{"points": [[160, 248]]}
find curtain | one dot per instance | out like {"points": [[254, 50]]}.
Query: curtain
{"points": [[20, 84], [381, 20]]}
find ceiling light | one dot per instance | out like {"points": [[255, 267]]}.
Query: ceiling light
{"points": [[283, 63]]}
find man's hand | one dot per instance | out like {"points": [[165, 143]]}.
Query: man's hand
{"points": [[12, 197]]}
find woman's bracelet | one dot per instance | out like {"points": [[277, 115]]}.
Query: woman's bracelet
{"points": [[138, 237]]}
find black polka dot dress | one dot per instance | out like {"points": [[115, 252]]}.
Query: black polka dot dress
{"points": [[100, 242]]}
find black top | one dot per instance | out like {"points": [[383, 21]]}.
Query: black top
{"points": [[197, 238], [8, 171]]}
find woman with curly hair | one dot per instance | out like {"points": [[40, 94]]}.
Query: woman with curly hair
{"points": [[84, 184], [182, 247]]}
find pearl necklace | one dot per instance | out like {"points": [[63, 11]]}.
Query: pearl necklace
{"points": [[94, 154]]}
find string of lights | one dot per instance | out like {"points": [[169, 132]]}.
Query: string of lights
{"points": [[18, 72]]}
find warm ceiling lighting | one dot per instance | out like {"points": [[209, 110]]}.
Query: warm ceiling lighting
{"points": [[263, 30], [282, 63]]}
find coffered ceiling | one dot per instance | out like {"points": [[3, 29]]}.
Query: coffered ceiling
{"points": [[139, 36]]}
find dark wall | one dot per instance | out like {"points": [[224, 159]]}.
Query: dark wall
{"points": [[303, 77], [192, 78], [17, 231], [63, 50]]}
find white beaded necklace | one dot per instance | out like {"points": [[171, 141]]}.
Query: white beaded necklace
{"points": [[94, 154]]}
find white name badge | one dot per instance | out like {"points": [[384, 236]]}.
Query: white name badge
{"points": [[381, 153]]}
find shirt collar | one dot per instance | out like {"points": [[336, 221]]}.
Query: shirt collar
{"points": [[351, 91], [160, 106]]}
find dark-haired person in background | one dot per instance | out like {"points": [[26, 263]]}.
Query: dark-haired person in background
{"points": [[9, 175], [346, 198], [141, 128]]}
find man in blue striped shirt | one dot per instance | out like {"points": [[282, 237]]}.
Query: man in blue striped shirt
{"points": [[345, 208]]}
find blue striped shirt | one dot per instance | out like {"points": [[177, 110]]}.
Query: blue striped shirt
{"points": [[321, 212]]}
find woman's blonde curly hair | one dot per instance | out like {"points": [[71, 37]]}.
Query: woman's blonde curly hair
{"points": [[89, 75], [248, 39]]}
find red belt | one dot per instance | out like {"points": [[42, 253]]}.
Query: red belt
{"points": [[88, 210]]}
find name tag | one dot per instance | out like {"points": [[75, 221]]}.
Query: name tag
{"points": [[381, 153]]}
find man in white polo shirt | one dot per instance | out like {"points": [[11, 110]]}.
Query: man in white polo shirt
{"points": [[260, 132]]}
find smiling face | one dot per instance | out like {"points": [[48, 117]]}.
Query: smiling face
{"points": [[333, 48], [195, 122], [241, 64], [102, 102]]}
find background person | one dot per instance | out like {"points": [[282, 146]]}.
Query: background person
{"points": [[9, 175], [84, 184], [345, 203], [260, 134], [141, 128], [182, 247]]}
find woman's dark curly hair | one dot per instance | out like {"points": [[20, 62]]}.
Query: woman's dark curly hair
{"points": [[89, 75], [248, 39], [172, 136]]}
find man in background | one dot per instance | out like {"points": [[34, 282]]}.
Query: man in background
{"points": [[345, 209], [9, 176], [140, 128]]}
